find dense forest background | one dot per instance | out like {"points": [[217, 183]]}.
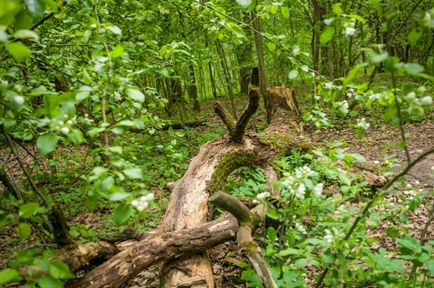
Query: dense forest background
{"points": [[104, 103]]}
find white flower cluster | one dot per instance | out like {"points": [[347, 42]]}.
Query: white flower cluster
{"points": [[300, 228], [19, 99], [361, 123], [304, 171], [263, 195], [343, 106], [328, 236], [296, 186], [349, 28], [143, 202]]}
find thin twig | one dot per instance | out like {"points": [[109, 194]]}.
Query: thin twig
{"points": [[23, 167]]}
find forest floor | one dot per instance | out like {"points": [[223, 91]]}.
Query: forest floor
{"points": [[379, 140]]}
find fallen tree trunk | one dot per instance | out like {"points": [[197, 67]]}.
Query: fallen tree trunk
{"points": [[170, 245], [184, 236]]}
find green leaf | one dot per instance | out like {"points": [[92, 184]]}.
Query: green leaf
{"points": [[413, 68], [133, 173], [377, 58], [118, 195], [121, 213], [24, 230], [8, 275], [114, 29], [28, 210], [47, 281], [337, 9], [273, 214], [293, 74], [60, 270], [46, 143], [285, 12], [135, 95], [414, 35], [19, 51], [117, 52], [26, 34], [327, 35], [290, 251], [35, 7]]}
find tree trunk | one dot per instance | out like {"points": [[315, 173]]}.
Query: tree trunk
{"points": [[263, 84], [226, 73], [157, 248], [192, 90]]}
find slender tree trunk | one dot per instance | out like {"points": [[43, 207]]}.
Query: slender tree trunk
{"points": [[226, 73], [211, 76], [263, 84], [192, 89]]}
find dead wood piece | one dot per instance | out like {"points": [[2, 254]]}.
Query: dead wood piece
{"points": [[85, 254], [248, 222], [236, 128], [170, 245], [226, 117], [188, 206], [237, 135]]}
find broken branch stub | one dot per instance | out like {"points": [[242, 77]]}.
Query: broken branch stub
{"points": [[236, 129], [248, 222]]}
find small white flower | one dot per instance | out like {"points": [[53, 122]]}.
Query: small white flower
{"points": [[317, 190], [427, 100], [328, 85], [300, 228], [376, 162], [350, 31], [329, 236], [263, 195], [288, 181], [244, 3], [361, 123], [411, 95], [375, 96], [86, 115], [69, 122], [135, 203], [64, 130], [300, 191], [19, 100], [150, 197]]}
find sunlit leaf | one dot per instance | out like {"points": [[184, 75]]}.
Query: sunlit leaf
{"points": [[28, 210], [327, 35], [8, 275], [46, 143], [122, 213], [135, 95], [19, 51], [24, 230]]}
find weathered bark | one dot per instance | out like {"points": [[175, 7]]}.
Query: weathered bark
{"points": [[188, 206], [248, 221], [85, 254], [160, 247]]}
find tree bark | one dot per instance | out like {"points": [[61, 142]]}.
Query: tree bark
{"points": [[155, 249]]}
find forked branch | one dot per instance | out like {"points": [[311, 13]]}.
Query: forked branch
{"points": [[236, 129]]}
